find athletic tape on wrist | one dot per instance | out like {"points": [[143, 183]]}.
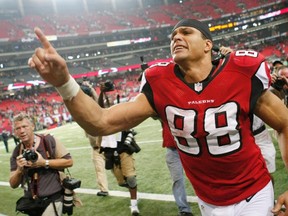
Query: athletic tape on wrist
{"points": [[69, 89]]}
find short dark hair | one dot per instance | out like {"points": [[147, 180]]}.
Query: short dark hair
{"points": [[277, 62]]}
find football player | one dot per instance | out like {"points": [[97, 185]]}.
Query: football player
{"points": [[209, 110]]}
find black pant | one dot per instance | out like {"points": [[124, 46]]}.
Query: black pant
{"points": [[6, 145]]}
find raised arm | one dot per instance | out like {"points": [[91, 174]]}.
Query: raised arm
{"points": [[85, 111], [103, 121]]}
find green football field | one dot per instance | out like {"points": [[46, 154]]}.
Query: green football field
{"points": [[153, 178]]}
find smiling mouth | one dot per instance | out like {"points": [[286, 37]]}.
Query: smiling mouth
{"points": [[178, 48], [23, 137]]}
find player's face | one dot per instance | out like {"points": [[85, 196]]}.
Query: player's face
{"points": [[186, 43]]}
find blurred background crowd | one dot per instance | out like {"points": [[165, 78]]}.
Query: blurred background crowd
{"points": [[110, 39]]}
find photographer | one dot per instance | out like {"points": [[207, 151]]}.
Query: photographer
{"points": [[118, 149], [95, 142], [279, 79], [35, 164]]}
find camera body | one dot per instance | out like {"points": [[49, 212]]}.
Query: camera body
{"points": [[278, 84], [30, 155], [130, 142], [71, 183], [217, 55], [108, 86], [87, 90]]}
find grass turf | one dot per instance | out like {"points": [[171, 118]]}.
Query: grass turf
{"points": [[152, 175]]}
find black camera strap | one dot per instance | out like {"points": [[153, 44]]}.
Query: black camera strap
{"points": [[27, 179], [35, 177], [47, 148]]}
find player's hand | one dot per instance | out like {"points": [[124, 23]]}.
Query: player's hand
{"points": [[48, 63], [282, 200]]}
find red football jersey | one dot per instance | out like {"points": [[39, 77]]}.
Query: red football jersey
{"points": [[211, 124], [168, 140]]}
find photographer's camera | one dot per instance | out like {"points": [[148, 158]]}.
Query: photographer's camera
{"points": [[108, 86], [130, 142], [87, 90], [278, 84], [69, 185], [30, 155]]}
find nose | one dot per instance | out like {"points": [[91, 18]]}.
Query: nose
{"points": [[21, 130], [177, 36]]}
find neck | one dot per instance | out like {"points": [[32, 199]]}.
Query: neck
{"points": [[196, 74], [27, 145], [196, 70], [30, 143]]}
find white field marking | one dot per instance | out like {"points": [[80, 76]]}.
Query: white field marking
{"points": [[145, 126], [142, 142], [149, 196], [86, 147], [140, 195]]}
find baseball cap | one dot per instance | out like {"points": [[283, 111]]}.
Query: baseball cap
{"points": [[200, 26]]}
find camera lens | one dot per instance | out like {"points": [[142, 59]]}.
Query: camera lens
{"points": [[68, 202], [30, 155], [33, 157], [129, 139]]}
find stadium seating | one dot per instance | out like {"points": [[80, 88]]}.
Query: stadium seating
{"points": [[96, 20], [101, 23]]}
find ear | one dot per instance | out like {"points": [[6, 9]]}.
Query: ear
{"points": [[208, 45]]}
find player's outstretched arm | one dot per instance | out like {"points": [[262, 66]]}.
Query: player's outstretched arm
{"points": [[85, 111], [99, 121]]}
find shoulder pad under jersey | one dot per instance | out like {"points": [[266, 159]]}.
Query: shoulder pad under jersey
{"points": [[159, 69], [247, 58]]}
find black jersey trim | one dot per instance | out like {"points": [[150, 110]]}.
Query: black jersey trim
{"points": [[216, 69]]}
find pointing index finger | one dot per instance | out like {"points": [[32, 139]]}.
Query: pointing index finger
{"points": [[44, 41]]}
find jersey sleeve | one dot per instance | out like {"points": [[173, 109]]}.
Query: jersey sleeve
{"points": [[146, 89], [252, 65], [253, 62]]}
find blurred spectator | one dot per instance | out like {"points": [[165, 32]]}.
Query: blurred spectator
{"points": [[5, 137]]}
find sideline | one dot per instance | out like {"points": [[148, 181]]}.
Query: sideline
{"points": [[86, 147], [149, 196]]}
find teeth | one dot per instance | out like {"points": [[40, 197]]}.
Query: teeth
{"points": [[178, 47]]}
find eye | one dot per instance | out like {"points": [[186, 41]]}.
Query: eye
{"points": [[17, 129], [172, 36], [186, 31]]}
